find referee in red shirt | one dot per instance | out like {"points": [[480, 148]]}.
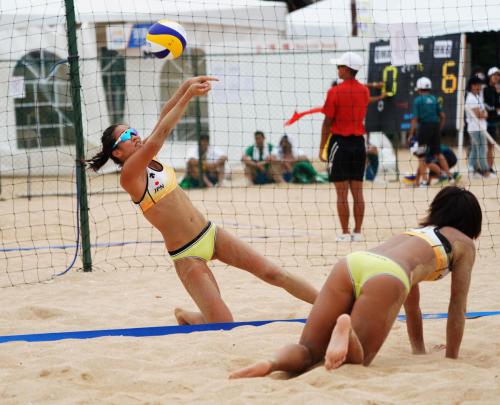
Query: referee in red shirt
{"points": [[343, 143]]}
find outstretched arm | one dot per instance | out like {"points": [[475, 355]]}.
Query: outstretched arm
{"points": [[135, 165], [464, 256], [178, 95], [414, 321]]}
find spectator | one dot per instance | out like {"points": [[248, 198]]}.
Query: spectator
{"points": [[295, 166], [477, 75], [343, 144], [476, 114], [491, 95], [260, 162], [429, 118], [435, 171], [451, 161], [371, 162], [213, 164]]}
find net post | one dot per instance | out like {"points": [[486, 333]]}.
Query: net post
{"points": [[81, 181]]}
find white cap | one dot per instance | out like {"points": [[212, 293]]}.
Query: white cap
{"points": [[349, 59], [424, 83], [493, 70]]}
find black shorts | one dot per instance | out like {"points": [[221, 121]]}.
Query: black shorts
{"points": [[493, 129], [346, 158], [429, 139]]}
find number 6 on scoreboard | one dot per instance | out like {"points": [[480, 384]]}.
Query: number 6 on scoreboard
{"points": [[449, 80]]}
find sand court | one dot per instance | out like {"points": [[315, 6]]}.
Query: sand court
{"points": [[134, 286]]}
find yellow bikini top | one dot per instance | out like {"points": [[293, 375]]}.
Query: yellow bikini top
{"points": [[441, 247], [159, 183]]}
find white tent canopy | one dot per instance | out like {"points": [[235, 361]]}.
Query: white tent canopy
{"points": [[332, 18], [252, 13], [327, 18], [437, 17]]}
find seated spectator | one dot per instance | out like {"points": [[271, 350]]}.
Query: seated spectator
{"points": [[451, 160], [258, 161], [371, 162], [433, 167], [295, 166], [213, 164]]}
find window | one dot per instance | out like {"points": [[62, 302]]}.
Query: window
{"points": [[175, 71], [44, 117], [113, 81]]}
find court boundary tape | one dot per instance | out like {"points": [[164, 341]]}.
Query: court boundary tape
{"points": [[182, 329]]}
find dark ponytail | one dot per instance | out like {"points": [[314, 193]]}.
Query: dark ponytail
{"points": [[107, 140]]}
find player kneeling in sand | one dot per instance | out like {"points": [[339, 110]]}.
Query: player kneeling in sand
{"points": [[361, 298], [190, 238]]}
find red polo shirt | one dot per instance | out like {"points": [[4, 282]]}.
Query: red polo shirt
{"points": [[346, 103]]}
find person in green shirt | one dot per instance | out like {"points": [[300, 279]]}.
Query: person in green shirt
{"points": [[258, 161], [427, 122]]}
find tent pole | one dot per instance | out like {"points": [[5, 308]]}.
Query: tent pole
{"points": [[461, 99]]}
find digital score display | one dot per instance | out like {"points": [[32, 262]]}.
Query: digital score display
{"points": [[439, 61]]}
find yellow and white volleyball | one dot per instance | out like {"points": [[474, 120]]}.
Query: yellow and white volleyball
{"points": [[166, 39]]}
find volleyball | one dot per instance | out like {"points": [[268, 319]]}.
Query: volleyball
{"points": [[166, 39]]}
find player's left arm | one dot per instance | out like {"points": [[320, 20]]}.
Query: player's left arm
{"points": [[414, 325], [463, 260], [329, 111]]}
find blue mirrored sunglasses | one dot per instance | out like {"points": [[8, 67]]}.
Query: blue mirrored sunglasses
{"points": [[125, 136]]}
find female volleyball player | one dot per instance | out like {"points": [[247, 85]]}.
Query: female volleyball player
{"points": [[190, 238], [361, 298]]}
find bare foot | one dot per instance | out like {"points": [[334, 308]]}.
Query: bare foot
{"points": [[336, 352], [259, 369], [188, 317]]}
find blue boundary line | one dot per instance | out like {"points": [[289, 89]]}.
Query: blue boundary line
{"points": [[72, 246], [178, 329]]}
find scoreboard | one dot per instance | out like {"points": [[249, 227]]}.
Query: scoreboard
{"points": [[439, 61]]}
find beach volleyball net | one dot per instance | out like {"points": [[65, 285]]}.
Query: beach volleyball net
{"points": [[69, 69]]}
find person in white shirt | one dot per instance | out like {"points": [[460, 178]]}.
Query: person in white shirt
{"points": [[476, 115], [213, 164]]}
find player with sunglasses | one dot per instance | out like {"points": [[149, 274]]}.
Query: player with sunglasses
{"points": [[191, 240]]}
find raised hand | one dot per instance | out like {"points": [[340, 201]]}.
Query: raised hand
{"points": [[200, 79], [199, 88]]}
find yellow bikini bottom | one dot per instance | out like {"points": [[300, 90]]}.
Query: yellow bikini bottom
{"points": [[363, 266], [202, 247]]}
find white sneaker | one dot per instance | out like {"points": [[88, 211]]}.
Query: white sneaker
{"points": [[357, 237], [345, 237]]}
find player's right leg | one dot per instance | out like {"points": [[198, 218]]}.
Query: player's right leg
{"points": [[342, 189], [372, 317], [334, 299], [233, 251], [202, 287]]}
